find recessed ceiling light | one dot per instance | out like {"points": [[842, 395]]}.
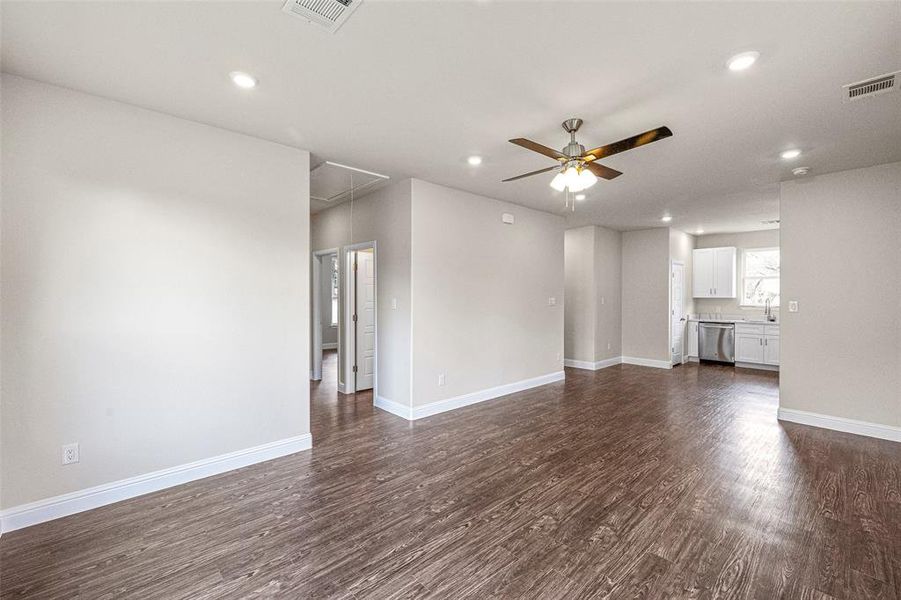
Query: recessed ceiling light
{"points": [[666, 218], [474, 160], [742, 61], [243, 80], [580, 196], [790, 154]]}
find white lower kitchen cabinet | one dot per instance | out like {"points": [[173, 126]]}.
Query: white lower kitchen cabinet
{"points": [[749, 348], [691, 340], [771, 350], [757, 344]]}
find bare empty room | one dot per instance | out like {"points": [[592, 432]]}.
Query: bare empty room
{"points": [[489, 299]]}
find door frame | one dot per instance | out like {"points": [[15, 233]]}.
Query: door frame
{"points": [[348, 334], [672, 316], [316, 303]]}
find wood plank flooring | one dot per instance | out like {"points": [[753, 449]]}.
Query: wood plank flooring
{"points": [[629, 482]]}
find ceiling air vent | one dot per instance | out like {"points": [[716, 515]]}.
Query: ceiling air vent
{"points": [[329, 14], [871, 87]]}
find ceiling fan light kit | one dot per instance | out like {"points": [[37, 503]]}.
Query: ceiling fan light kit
{"points": [[577, 169]]}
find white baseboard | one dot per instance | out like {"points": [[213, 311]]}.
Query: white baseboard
{"points": [[330, 346], [395, 408], [341, 388], [592, 366], [48, 509], [885, 432], [647, 362], [758, 366], [441, 406]]}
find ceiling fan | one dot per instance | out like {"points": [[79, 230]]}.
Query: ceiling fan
{"points": [[577, 169]]}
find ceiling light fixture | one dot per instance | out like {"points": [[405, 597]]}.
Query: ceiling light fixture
{"points": [[800, 171], [243, 80], [791, 154], [580, 196], [700, 231], [574, 178], [475, 161], [666, 218], [742, 61]]}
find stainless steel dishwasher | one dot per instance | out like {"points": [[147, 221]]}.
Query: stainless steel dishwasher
{"points": [[716, 341]]}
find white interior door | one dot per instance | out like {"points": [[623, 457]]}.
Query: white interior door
{"points": [[677, 314], [365, 289]]}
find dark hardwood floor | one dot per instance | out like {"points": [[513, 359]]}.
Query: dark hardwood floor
{"points": [[623, 483]]}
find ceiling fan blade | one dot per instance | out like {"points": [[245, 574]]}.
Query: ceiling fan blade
{"points": [[602, 171], [536, 147], [627, 144], [532, 173]]}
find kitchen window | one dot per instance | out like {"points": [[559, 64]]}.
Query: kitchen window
{"points": [[334, 290], [760, 277]]}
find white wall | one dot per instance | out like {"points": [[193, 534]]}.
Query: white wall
{"points": [[767, 238], [480, 293], [608, 277], [841, 260], [645, 297], [154, 291], [593, 307], [580, 306], [384, 217]]}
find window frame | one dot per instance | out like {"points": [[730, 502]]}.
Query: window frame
{"points": [[743, 276]]}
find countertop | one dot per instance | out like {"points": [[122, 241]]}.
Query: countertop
{"points": [[738, 320]]}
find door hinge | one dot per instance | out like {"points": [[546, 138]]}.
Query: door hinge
{"points": [[355, 368], [355, 318]]}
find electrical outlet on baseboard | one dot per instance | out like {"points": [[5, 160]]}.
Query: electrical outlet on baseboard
{"points": [[70, 453]]}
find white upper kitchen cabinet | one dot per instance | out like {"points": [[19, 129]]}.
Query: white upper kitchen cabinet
{"points": [[713, 272]]}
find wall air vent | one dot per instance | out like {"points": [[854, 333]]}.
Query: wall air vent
{"points": [[328, 14], [871, 87]]}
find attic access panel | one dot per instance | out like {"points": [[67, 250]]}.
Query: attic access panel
{"points": [[332, 182]]}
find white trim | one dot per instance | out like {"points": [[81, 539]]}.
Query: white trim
{"points": [[759, 366], [330, 345], [592, 366], [48, 509], [876, 430], [341, 388], [647, 362], [395, 408], [441, 406]]}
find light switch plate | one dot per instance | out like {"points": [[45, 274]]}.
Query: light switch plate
{"points": [[552, 301], [792, 306]]}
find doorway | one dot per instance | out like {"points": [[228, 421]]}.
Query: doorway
{"points": [[361, 316], [325, 313], [677, 311]]}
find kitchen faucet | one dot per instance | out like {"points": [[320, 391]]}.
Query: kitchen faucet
{"points": [[768, 311]]}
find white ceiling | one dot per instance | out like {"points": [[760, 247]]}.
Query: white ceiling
{"points": [[413, 88]]}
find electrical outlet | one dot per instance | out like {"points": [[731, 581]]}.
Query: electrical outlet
{"points": [[394, 304], [603, 300], [551, 301], [558, 357], [609, 346], [441, 379], [792, 306], [70, 453]]}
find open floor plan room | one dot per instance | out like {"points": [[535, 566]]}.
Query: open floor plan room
{"points": [[618, 483], [370, 299]]}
